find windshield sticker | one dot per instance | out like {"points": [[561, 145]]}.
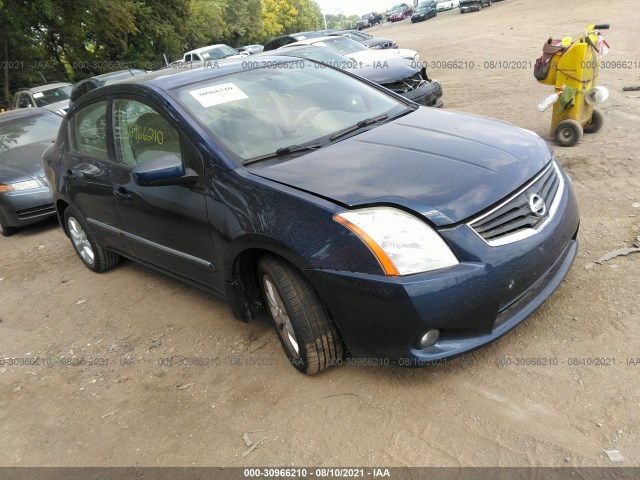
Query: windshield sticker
{"points": [[219, 94], [38, 95]]}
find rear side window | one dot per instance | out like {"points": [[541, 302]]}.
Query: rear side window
{"points": [[90, 130], [142, 134], [24, 101]]}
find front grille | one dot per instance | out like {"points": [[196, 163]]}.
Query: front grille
{"points": [[525, 213], [36, 211], [406, 85]]}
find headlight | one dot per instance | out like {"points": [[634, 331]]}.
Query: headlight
{"points": [[17, 187], [416, 58], [402, 243]]}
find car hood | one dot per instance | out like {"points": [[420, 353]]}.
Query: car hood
{"points": [[392, 70], [444, 165], [381, 55], [22, 163], [372, 42]]}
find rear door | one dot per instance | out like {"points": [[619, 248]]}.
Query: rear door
{"points": [[87, 171]]}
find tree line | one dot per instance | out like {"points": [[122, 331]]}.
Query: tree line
{"points": [[67, 40]]}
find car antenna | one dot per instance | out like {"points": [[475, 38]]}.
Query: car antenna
{"points": [[43, 79]]}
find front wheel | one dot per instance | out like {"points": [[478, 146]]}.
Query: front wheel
{"points": [[308, 335], [90, 252], [568, 133]]}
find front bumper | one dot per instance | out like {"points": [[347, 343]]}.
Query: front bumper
{"points": [[470, 8], [428, 94], [19, 209], [490, 292]]}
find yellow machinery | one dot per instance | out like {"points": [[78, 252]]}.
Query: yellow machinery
{"points": [[573, 70]]}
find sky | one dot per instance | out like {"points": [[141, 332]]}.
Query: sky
{"points": [[357, 7]]}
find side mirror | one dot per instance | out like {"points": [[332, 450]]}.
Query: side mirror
{"points": [[166, 169]]}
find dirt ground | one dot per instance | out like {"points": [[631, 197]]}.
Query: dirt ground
{"points": [[101, 395]]}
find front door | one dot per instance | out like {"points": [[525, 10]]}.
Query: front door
{"points": [[167, 225]]}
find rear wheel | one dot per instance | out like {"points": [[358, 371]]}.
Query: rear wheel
{"points": [[308, 335], [597, 121], [90, 252], [568, 133]]}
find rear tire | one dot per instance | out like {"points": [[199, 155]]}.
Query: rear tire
{"points": [[568, 133], [94, 257], [308, 335], [6, 231], [597, 121]]}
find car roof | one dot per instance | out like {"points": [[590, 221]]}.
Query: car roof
{"points": [[171, 77], [23, 113], [119, 74], [311, 41], [204, 49], [48, 86]]}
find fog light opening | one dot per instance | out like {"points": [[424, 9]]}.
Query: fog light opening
{"points": [[430, 338]]}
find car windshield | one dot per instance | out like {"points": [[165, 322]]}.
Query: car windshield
{"points": [[255, 113], [218, 53], [399, 8], [342, 45], [21, 131], [47, 97]]}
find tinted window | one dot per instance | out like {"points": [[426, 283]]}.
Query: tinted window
{"points": [[24, 130], [90, 130], [141, 133]]}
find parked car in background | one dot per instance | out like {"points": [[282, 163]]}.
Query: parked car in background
{"points": [[424, 11], [351, 218], [84, 86], [402, 76], [252, 49], [447, 5], [283, 40], [399, 12], [356, 51], [473, 5], [368, 20], [52, 96], [25, 197], [366, 40], [212, 53]]}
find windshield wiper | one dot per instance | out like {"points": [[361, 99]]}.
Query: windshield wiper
{"points": [[358, 126], [284, 151]]}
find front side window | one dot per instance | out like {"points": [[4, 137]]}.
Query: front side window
{"points": [[141, 133], [90, 130]]}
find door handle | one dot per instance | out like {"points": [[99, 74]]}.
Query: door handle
{"points": [[121, 194]]}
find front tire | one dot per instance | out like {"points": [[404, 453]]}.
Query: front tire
{"points": [[307, 334], [94, 257]]}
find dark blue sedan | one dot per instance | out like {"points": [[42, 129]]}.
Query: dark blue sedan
{"points": [[356, 221]]}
